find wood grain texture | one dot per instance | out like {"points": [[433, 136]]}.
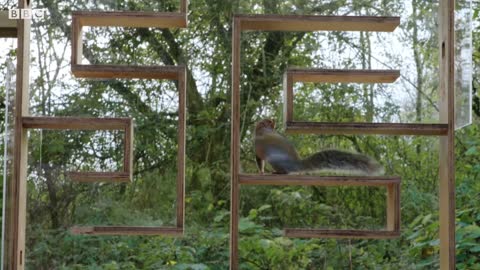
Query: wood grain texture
{"points": [[235, 146], [342, 75], [131, 19], [393, 207], [317, 23], [297, 127], [184, 7], [287, 98], [20, 147], [182, 108], [127, 230], [91, 177], [313, 180], [16, 200], [76, 123], [131, 72], [351, 234], [128, 150], [77, 43], [447, 143]]}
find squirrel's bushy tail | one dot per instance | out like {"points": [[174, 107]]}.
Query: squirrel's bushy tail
{"points": [[333, 159]]}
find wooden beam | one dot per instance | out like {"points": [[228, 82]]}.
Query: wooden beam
{"points": [[128, 150], [15, 225], [91, 177], [130, 72], [131, 19], [343, 75], [77, 43], [184, 7], [235, 146], [447, 143], [350, 234], [297, 127], [8, 27], [76, 123], [393, 207], [182, 93], [287, 98], [127, 230], [312, 180], [317, 23]]}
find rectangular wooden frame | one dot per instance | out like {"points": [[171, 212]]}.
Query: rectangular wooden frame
{"points": [[292, 76], [141, 19], [92, 123], [280, 23], [391, 183], [446, 130], [178, 73]]}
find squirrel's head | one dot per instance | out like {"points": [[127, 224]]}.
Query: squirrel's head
{"points": [[265, 124]]}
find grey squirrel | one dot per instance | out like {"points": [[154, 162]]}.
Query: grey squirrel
{"points": [[280, 153]]}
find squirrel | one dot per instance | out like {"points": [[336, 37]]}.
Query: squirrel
{"points": [[281, 154]]}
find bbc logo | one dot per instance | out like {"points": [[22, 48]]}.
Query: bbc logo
{"points": [[27, 13]]}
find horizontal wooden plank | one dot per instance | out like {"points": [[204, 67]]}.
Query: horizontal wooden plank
{"points": [[307, 23], [90, 177], [124, 71], [296, 127], [8, 32], [131, 19], [342, 75], [313, 180], [127, 230], [351, 234], [76, 123]]}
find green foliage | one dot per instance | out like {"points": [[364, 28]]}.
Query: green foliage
{"points": [[55, 203]]}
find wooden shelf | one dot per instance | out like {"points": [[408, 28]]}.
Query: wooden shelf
{"points": [[8, 27], [123, 71], [127, 230], [295, 127], [91, 123], [307, 23], [312, 180], [75, 123], [342, 75], [90, 177], [351, 234], [131, 19]]}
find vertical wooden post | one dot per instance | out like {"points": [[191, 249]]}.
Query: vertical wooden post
{"points": [[77, 49], [235, 145], [184, 6], [447, 143], [287, 98], [182, 89], [393, 207], [17, 194]]}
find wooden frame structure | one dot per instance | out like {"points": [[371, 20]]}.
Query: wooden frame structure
{"points": [[292, 76], [177, 73], [444, 130], [8, 27], [392, 185], [16, 205], [139, 19], [91, 123]]}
